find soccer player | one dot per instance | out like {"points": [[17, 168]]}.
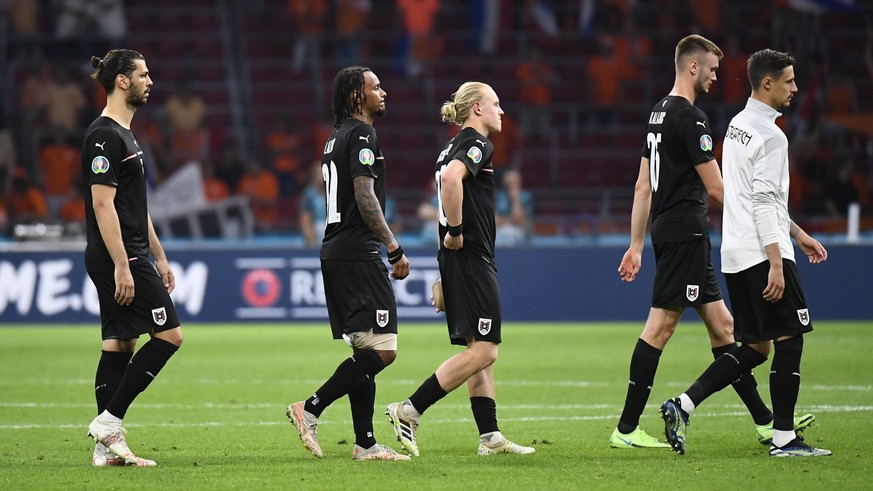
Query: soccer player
{"points": [[758, 261], [465, 187], [678, 176], [134, 295], [360, 298]]}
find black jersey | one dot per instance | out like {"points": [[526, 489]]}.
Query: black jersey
{"points": [[112, 157], [477, 213], [678, 137], [351, 151]]}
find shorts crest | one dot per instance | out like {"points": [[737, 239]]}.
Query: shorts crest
{"points": [[382, 318], [692, 292], [159, 316], [484, 326], [803, 316]]}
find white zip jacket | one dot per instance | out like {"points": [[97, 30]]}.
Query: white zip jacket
{"points": [[755, 168]]}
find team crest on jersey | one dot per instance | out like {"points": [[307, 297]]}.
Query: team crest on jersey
{"points": [[706, 143], [475, 154], [366, 156], [484, 326], [692, 292], [99, 165], [382, 318], [159, 316], [803, 316]]}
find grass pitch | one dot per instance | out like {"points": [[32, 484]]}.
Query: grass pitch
{"points": [[214, 418]]}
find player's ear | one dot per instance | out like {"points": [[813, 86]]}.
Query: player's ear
{"points": [[121, 81]]}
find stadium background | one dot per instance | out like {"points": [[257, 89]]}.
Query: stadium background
{"points": [[576, 79]]}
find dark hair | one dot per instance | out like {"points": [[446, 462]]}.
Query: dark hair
{"points": [[116, 61], [348, 93], [767, 62], [695, 44]]}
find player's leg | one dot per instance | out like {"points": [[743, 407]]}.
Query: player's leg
{"points": [[114, 358], [141, 316], [362, 400], [480, 388], [659, 327], [791, 318], [720, 325]]}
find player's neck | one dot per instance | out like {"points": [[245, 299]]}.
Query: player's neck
{"points": [[476, 126], [684, 89], [118, 110], [369, 119]]}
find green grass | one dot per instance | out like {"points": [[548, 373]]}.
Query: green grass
{"points": [[214, 418]]}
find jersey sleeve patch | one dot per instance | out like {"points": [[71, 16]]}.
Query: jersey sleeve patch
{"points": [[366, 157], [475, 154], [99, 165], [706, 143]]}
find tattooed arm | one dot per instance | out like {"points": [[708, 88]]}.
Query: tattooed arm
{"points": [[371, 212]]}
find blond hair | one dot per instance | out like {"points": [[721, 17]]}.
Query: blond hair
{"points": [[457, 110]]}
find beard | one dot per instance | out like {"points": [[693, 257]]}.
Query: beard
{"points": [[135, 98], [381, 112]]}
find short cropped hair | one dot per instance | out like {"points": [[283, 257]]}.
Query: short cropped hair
{"points": [[767, 62], [695, 45]]}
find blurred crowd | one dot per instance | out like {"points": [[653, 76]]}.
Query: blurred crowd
{"points": [[567, 69]]}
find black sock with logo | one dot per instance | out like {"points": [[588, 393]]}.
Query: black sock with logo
{"points": [[362, 399], [143, 368], [747, 388], [427, 394], [354, 371], [643, 365], [110, 372]]}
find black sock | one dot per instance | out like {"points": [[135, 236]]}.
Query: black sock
{"points": [[143, 368], [427, 394], [785, 381], [643, 365], [352, 372], [110, 371], [724, 370], [362, 399], [485, 414], [747, 388]]}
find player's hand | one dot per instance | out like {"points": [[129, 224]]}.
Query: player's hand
{"points": [[124, 286], [630, 265], [453, 243], [166, 273], [775, 286], [400, 269], [815, 252]]}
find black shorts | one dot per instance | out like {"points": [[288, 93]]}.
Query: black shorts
{"points": [[684, 276], [359, 297], [472, 297], [152, 309], [756, 319]]}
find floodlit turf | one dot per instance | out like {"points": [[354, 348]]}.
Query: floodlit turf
{"points": [[214, 418]]}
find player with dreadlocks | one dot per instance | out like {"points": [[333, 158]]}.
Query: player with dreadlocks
{"points": [[360, 299]]}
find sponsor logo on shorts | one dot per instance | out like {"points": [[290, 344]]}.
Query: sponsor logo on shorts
{"points": [[366, 156], [692, 292], [484, 326], [99, 165], [382, 318], [706, 143], [159, 316], [803, 316], [475, 154]]}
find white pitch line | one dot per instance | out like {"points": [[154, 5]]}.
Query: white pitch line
{"points": [[401, 382], [279, 422]]}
